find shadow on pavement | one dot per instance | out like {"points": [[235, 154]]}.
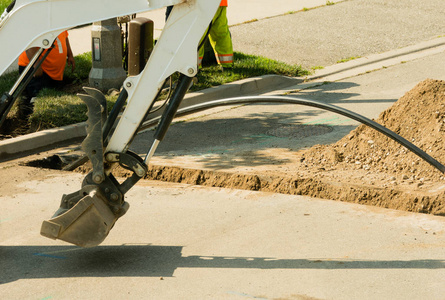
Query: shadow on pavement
{"points": [[29, 262], [337, 93], [231, 131]]}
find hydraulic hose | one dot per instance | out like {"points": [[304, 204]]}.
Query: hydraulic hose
{"points": [[169, 113], [8, 99], [293, 100], [114, 113], [10, 6]]}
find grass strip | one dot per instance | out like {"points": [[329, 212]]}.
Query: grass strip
{"points": [[55, 108]]}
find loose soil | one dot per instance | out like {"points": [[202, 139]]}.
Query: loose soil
{"points": [[13, 127]]}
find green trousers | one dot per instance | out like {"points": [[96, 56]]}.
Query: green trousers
{"points": [[220, 39]]}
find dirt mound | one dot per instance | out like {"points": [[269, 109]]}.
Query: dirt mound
{"points": [[419, 117]]}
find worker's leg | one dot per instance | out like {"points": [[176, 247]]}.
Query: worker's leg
{"points": [[220, 38], [25, 103]]}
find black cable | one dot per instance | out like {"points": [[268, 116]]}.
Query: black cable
{"points": [[10, 6], [283, 99]]}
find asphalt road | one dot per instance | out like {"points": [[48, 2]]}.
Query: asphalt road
{"points": [[348, 29], [189, 242]]}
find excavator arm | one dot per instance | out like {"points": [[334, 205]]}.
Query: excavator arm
{"points": [[85, 217]]}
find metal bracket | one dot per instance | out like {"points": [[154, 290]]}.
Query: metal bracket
{"points": [[129, 161]]}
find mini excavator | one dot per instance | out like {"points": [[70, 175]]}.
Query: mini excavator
{"points": [[86, 216]]}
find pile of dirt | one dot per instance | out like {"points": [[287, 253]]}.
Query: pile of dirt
{"points": [[418, 116]]}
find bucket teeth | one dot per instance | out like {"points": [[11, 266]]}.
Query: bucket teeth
{"points": [[93, 143], [100, 98]]}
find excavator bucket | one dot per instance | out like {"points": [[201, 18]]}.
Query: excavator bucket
{"points": [[86, 224]]}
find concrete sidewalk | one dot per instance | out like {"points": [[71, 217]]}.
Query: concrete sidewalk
{"points": [[226, 140], [189, 242]]}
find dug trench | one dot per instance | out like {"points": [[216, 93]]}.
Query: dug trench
{"points": [[363, 167]]}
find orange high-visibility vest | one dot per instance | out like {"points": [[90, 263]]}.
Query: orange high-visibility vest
{"points": [[54, 64], [223, 3]]}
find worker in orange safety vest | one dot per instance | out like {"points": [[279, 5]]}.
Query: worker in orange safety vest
{"points": [[220, 38], [50, 73]]}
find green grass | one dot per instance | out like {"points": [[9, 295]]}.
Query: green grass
{"points": [[245, 66], [83, 67], [250, 21], [317, 68], [56, 108], [347, 59]]}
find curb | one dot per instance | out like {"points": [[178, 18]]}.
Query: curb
{"points": [[41, 139], [47, 138], [366, 64], [373, 62]]}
